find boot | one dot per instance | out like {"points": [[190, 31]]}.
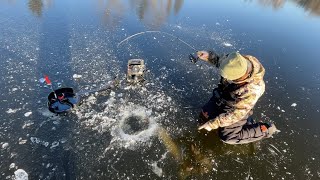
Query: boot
{"points": [[269, 129]]}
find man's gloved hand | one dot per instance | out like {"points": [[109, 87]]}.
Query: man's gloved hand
{"points": [[209, 56], [203, 55], [210, 125]]}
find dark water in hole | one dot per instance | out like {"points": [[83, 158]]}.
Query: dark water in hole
{"points": [[80, 37], [134, 124]]}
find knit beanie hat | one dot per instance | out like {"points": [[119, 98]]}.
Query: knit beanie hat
{"points": [[233, 67]]}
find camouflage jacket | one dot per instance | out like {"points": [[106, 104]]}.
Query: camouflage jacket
{"points": [[238, 100]]}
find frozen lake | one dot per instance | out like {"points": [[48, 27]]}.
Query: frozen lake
{"points": [[101, 138]]}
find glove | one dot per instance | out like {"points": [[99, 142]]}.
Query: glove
{"points": [[210, 125], [203, 55], [209, 56]]}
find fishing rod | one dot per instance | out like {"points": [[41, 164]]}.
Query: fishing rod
{"points": [[49, 83], [192, 58], [140, 33], [110, 85]]}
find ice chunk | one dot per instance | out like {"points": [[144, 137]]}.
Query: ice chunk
{"points": [[42, 80], [112, 94], [35, 140], [48, 165], [14, 89], [5, 145], [294, 104], [12, 165], [21, 174], [54, 144], [9, 111], [156, 169], [27, 124], [77, 76], [226, 44], [27, 114], [22, 141]]}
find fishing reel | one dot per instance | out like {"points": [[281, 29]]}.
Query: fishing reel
{"points": [[193, 59]]}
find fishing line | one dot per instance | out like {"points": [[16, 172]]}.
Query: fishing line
{"points": [[140, 33]]}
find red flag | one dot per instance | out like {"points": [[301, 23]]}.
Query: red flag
{"points": [[47, 80]]}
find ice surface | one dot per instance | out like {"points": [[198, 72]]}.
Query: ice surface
{"points": [[21, 174]]}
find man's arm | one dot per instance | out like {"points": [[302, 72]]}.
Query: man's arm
{"points": [[238, 111]]}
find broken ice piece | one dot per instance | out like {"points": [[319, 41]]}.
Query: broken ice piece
{"points": [[5, 145], [226, 44], [42, 80], [77, 76], [21, 174], [294, 104], [12, 165], [27, 114], [54, 144]]}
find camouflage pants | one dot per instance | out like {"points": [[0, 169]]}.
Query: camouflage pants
{"points": [[242, 132]]}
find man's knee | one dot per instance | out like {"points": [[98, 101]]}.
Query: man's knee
{"points": [[227, 135]]}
